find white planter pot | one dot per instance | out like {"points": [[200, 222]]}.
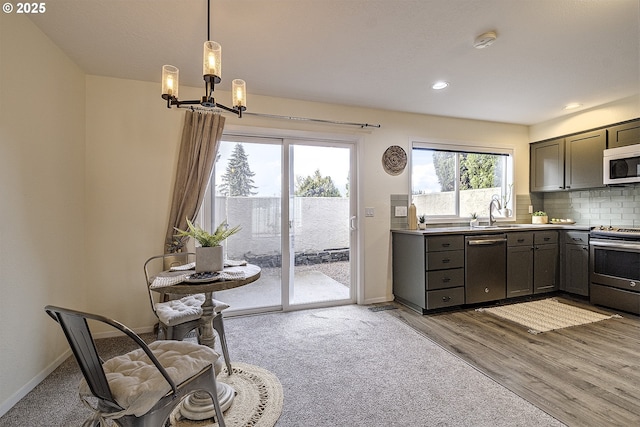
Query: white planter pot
{"points": [[539, 219], [209, 259]]}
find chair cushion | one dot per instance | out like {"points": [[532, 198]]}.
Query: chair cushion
{"points": [[135, 382], [181, 310], [185, 309]]}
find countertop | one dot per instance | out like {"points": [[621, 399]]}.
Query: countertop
{"points": [[497, 229]]}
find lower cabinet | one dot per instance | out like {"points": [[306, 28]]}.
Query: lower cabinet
{"points": [[575, 262], [545, 261], [519, 264], [428, 272], [532, 262]]}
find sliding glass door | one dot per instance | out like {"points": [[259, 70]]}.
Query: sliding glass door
{"points": [[312, 261]]}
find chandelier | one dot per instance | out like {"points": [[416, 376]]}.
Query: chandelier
{"points": [[211, 73]]}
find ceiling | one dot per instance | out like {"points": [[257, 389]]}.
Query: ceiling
{"points": [[372, 53]]}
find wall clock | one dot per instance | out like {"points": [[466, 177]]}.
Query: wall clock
{"points": [[394, 160]]}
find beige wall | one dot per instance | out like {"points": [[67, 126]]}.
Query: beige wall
{"points": [[614, 112], [87, 166], [42, 202]]}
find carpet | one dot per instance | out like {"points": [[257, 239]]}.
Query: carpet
{"points": [[258, 401], [546, 315]]}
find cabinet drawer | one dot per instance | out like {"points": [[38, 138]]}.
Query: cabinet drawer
{"points": [[520, 239], [442, 279], [577, 237], [444, 298], [444, 243], [444, 259], [545, 237]]}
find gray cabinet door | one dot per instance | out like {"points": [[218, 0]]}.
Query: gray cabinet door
{"points": [[547, 165], [624, 134], [545, 268], [583, 160], [519, 271], [576, 279]]}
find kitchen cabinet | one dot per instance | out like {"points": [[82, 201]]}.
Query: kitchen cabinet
{"points": [[519, 264], [570, 163], [532, 262], [428, 272], [547, 165], [575, 262], [583, 160], [623, 134], [545, 261]]}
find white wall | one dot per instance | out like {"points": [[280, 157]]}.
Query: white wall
{"points": [[41, 202]]}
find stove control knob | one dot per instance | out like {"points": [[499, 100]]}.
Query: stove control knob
{"points": [[632, 284]]}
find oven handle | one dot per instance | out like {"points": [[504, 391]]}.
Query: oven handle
{"points": [[614, 244]]}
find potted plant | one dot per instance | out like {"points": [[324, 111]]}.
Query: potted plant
{"points": [[474, 220], [506, 199], [209, 256], [422, 222], [540, 217]]}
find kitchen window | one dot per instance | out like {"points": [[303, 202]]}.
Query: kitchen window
{"points": [[450, 183]]}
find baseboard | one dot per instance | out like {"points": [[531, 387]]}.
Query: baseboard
{"points": [[377, 300], [24, 390]]}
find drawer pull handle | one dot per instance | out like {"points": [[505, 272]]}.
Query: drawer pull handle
{"points": [[632, 284], [446, 260], [520, 240], [446, 245], [446, 279], [446, 299], [547, 239]]}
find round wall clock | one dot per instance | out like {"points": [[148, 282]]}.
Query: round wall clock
{"points": [[394, 160]]}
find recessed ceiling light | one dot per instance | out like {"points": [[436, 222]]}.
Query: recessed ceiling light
{"points": [[572, 106], [439, 85]]}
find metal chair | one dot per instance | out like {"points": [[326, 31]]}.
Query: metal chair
{"points": [[172, 320], [133, 389]]}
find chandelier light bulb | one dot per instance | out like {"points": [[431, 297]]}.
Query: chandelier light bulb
{"points": [[239, 91], [212, 63]]}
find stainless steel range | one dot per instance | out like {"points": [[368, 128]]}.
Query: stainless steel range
{"points": [[615, 267]]}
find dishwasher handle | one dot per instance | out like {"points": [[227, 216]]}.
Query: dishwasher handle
{"points": [[487, 242]]}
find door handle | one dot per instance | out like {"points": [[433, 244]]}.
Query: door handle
{"points": [[352, 223]]}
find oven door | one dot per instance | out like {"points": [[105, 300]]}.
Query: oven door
{"points": [[615, 263]]}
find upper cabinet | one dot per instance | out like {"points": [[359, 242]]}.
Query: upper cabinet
{"points": [[623, 134], [570, 163], [547, 165], [583, 160]]}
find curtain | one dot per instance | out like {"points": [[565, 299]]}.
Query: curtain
{"points": [[200, 140]]}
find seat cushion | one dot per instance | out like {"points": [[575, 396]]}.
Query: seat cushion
{"points": [[181, 310], [135, 382]]}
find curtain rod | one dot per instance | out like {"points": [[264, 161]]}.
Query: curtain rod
{"points": [[306, 119], [275, 116]]}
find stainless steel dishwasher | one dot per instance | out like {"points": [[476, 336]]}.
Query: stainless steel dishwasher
{"points": [[485, 268]]}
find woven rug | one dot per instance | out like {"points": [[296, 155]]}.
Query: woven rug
{"points": [[546, 315], [258, 401]]}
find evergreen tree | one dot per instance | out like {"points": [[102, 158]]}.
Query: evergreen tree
{"points": [[316, 186], [237, 179]]}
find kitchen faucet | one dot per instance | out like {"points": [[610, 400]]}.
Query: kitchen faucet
{"points": [[494, 200]]}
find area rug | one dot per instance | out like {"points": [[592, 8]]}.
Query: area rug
{"points": [[258, 401], [546, 315]]}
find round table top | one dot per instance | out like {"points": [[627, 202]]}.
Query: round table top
{"points": [[252, 273]]}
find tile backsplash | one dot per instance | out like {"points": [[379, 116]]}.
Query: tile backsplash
{"points": [[616, 206]]}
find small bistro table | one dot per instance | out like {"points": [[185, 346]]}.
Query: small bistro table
{"points": [[199, 406]]}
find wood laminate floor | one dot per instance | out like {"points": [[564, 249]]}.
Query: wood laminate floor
{"points": [[586, 375]]}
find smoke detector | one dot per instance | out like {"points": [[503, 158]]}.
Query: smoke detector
{"points": [[485, 40]]}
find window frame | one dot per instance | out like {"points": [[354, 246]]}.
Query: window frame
{"points": [[508, 175]]}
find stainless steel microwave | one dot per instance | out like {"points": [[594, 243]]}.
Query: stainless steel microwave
{"points": [[621, 165]]}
